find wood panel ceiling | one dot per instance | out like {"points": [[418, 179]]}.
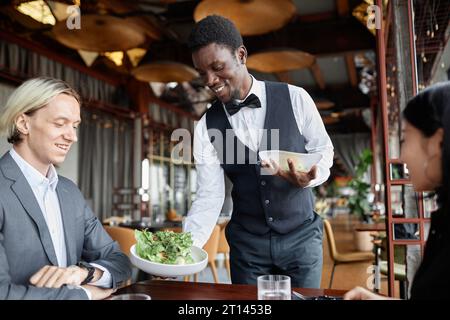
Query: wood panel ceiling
{"points": [[324, 28]]}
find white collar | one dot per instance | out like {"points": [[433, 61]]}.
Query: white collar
{"points": [[33, 176], [255, 88]]}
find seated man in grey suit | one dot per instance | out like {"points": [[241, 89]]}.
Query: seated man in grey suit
{"points": [[51, 244]]}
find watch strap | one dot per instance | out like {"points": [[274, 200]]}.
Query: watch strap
{"points": [[90, 269]]}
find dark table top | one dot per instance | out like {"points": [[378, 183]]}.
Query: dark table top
{"points": [[178, 290], [138, 224]]}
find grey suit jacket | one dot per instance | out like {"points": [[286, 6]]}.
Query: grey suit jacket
{"points": [[26, 245]]}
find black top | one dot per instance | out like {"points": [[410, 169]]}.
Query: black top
{"points": [[432, 280]]}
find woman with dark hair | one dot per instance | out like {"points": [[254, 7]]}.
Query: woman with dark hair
{"points": [[426, 152]]}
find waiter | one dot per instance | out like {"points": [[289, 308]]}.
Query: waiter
{"points": [[273, 229]]}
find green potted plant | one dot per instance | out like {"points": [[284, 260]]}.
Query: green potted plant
{"points": [[358, 202]]}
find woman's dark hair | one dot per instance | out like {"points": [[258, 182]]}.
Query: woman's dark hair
{"points": [[428, 111], [214, 29]]}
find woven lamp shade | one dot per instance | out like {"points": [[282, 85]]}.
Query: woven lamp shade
{"points": [[280, 61], [251, 17], [164, 72], [100, 33]]}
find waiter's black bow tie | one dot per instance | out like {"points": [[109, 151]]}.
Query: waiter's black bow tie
{"points": [[234, 106]]}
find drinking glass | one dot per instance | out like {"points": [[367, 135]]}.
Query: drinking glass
{"points": [[274, 287], [131, 296]]}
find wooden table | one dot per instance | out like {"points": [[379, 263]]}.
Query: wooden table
{"points": [[381, 226], [177, 290]]}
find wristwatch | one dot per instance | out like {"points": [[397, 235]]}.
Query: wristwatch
{"points": [[89, 268]]}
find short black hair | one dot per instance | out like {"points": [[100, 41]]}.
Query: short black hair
{"points": [[214, 29]]}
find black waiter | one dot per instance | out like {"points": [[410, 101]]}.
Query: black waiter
{"points": [[273, 229]]}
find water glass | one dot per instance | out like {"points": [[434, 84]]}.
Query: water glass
{"points": [[274, 287], [131, 296]]}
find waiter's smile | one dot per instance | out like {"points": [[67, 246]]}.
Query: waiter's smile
{"points": [[217, 89], [222, 91], [222, 70]]}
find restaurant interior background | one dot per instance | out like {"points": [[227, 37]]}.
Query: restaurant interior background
{"points": [[131, 64]]}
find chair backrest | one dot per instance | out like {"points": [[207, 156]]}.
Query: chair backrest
{"points": [[330, 239], [212, 244], [124, 236], [223, 243]]}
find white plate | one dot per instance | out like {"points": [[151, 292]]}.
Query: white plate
{"points": [[199, 255], [302, 161]]}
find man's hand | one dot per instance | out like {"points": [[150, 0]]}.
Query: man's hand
{"points": [[99, 293], [360, 293], [297, 178], [55, 277]]}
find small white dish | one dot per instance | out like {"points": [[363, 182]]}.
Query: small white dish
{"points": [[302, 161]]}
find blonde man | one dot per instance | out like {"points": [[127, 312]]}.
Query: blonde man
{"points": [[51, 244]]}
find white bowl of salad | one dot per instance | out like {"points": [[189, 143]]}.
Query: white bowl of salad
{"points": [[167, 254]]}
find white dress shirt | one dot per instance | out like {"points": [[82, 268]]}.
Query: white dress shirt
{"points": [[248, 126], [44, 189]]}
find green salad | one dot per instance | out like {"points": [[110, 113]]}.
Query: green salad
{"points": [[164, 246]]}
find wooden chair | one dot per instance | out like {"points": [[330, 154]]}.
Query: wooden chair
{"points": [[224, 248], [210, 247], [124, 236], [399, 265], [341, 258]]}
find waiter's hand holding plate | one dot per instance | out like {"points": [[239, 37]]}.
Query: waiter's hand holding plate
{"points": [[297, 168]]}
